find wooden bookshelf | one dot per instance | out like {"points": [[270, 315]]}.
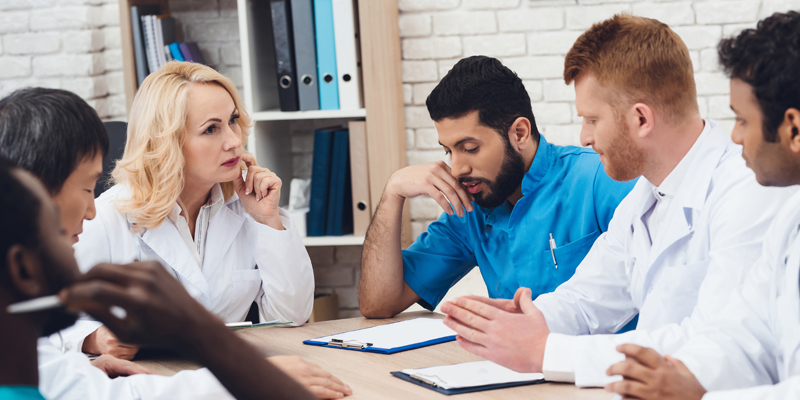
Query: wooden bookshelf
{"points": [[270, 141]]}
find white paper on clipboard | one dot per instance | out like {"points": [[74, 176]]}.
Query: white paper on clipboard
{"points": [[396, 334]]}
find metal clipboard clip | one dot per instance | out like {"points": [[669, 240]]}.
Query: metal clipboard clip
{"points": [[424, 380], [354, 344]]}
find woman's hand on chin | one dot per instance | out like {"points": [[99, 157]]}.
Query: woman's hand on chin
{"points": [[260, 193]]}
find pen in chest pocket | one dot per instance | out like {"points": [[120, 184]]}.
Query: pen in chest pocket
{"points": [[552, 248]]}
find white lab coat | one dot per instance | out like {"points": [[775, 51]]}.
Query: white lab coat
{"points": [[244, 261], [710, 238], [71, 376], [755, 339]]}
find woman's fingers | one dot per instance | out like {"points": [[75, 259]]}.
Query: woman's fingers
{"points": [[264, 181]]}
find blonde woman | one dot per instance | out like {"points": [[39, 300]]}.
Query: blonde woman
{"points": [[180, 198]]}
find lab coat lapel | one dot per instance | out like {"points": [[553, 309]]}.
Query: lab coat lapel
{"points": [[222, 230], [683, 214], [790, 311], [167, 243]]}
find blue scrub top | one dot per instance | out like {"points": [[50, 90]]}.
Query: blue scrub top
{"points": [[20, 393], [566, 192]]}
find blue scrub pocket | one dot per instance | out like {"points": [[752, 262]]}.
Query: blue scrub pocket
{"points": [[568, 257]]}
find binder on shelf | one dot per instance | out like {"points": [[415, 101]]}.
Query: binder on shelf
{"points": [[159, 40], [340, 213], [347, 64], [284, 57], [197, 56], [166, 26], [175, 50], [326, 55], [150, 43], [187, 55], [137, 31], [467, 377], [389, 338], [320, 181], [359, 177], [305, 54]]}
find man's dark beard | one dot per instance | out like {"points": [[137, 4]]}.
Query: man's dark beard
{"points": [[57, 319], [508, 180]]}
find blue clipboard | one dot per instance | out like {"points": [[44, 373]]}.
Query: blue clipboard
{"points": [[368, 347], [408, 378]]}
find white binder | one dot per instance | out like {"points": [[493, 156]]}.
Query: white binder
{"points": [[347, 59]]}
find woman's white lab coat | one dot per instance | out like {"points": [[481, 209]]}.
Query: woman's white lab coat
{"points": [[755, 340], [243, 261]]}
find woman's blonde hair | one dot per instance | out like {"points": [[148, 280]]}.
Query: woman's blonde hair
{"points": [[152, 166]]}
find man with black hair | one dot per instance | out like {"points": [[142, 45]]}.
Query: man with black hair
{"points": [[754, 342], [57, 136], [67, 163], [36, 260], [523, 210]]}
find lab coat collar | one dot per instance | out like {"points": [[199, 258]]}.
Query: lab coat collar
{"points": [[690, 196], [708, 149]]}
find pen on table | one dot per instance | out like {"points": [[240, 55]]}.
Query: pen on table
{"points": [[552, 248]]}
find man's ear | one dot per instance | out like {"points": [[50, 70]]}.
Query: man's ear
{"points": [[645, 119], [25, 271], [790, 128], [519, 133]]}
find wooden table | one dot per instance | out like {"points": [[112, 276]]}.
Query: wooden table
{"points": [[368, 373]]}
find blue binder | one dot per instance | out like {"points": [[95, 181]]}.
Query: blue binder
{"points": [[408, 378], [175, 50], [340, 197], [320, 181], [326, 55]]}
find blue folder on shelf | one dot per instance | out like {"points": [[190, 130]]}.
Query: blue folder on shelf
{"points": [[326, 55], [320, 181], [467, 377], [390, 338]]}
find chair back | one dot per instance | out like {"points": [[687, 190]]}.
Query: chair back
{"points": [[117, 135]]}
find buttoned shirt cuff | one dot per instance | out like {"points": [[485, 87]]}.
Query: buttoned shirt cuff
{"points": [[71, 339], [559, 360]]}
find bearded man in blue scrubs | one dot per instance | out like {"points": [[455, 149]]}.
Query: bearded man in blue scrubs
{"points": [[522, 210]]}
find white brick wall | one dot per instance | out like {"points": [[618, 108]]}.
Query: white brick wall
{"points": [[75, 45], [67, 44], [532, 36]]}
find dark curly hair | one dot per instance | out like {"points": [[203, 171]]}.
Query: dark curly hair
{"points": [[768, 58], [482, 84]]}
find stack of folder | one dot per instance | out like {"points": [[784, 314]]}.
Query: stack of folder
{"points": [[155, 42], [339, 202], [316, 57]]}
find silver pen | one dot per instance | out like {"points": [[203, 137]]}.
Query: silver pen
{"points": [[553, 247]]}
